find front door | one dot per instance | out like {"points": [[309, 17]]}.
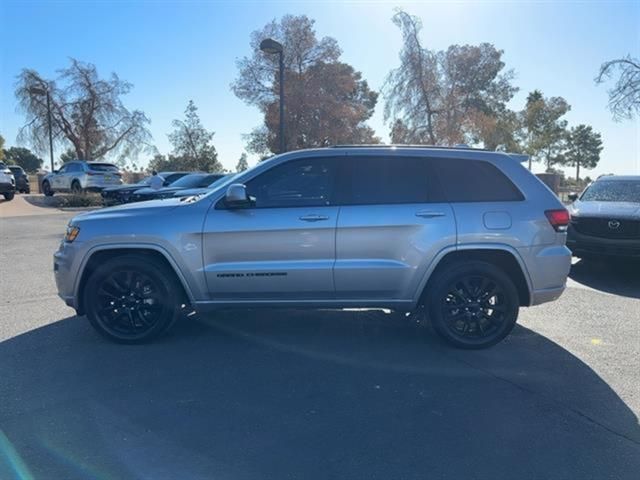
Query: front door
{"points": [[282, 248]]}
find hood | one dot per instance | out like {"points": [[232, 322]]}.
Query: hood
{"points": [[122, 188], [151, 207], [605, 209]]}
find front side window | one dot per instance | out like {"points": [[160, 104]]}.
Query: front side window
{"points": [[299, 183], [384, 180], [74, 167]]}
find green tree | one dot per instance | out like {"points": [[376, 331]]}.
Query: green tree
{"points": [[544, 131], [327, 101], [86, 111], [24, 158], [68, 155], [242, 163], [192, 143], [584, 147], [441, 95], [624, 96], [1, 148]]}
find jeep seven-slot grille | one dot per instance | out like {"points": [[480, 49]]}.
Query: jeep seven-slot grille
{"points": [[607, 227]]}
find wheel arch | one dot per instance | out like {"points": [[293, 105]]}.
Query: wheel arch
{"points": [[503, 256], [99, 255]]}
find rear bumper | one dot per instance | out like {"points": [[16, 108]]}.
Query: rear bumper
{"points": [[589, 246]]}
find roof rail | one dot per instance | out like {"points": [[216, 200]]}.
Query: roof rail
{"points": [[400, 145]]}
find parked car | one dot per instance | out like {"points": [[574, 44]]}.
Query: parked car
{"points": [[467, 236], [122, 193], [7, 183], [193, 180], [21, 179], [605, 219], [189, 192], [78, 176]]}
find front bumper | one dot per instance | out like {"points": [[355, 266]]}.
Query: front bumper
{"points": [[7, 188], [589, 246]]}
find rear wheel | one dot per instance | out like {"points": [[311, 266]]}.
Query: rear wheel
{"points": [[76, 187], [473, 305], [46, 189], [131, 299]]}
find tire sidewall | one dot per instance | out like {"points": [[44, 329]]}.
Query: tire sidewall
{"points": [[46, 189], [441, 287], [158, 273]]}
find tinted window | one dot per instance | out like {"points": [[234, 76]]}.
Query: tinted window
{"points": [[74, 167], [194, 181], [384, 180], [613, 191], [169, 179], [474, 181], [103, 167], [300, 183]]}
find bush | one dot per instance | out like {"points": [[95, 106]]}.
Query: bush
{"points": [[73, 200]]}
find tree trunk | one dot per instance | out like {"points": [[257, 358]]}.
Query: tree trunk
{"points": [[578, 171]]}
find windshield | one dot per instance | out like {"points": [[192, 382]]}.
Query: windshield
{"points": [[193, 181], [613, 191]]}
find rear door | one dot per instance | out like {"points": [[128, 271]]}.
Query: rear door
{"points": [[389, 229], [281, 249]]}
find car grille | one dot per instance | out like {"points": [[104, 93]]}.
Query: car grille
{"points": [[607, 227]]}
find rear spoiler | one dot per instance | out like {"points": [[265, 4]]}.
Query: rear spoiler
{"points": [[519, 157]]}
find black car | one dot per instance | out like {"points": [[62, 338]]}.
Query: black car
{"points": [[22, 179], [123, 193], [605, 219], [193, 180]]}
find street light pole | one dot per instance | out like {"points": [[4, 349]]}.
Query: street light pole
{"points": [[43, 91], [270, 46], [50, 134]]}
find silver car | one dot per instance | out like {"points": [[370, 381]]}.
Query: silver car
{"points": [[78, 176], [467, 236]]}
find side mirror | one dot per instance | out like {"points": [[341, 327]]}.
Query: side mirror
{"points": [[572, 196], [55, 171], [236, 196]]}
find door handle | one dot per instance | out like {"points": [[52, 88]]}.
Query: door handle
{"points": [[429, 214], [313, 218]]}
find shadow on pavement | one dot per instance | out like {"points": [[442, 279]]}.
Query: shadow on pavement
{"points": [[620, 277], [248, 395]]}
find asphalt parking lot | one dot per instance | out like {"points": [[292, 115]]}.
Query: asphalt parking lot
{"points": [[306, 395]]}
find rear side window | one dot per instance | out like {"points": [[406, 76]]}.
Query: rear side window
{"points": [[383, 180], [474, 181]]}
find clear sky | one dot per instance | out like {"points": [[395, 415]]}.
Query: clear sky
{"points": [[173, 51]]}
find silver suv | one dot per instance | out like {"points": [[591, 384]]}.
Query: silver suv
{"points": [[77, 176], [468, 236]]}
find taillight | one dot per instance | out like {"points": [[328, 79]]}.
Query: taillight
{"points": [[559, 219]]}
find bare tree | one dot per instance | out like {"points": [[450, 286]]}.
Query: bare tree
{"points": [[86, 111], [439, 95], [624, 97]]}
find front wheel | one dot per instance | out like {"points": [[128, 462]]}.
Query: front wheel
{"points": [[473, 305], [130, 299], [46, 189], [9, 196]]}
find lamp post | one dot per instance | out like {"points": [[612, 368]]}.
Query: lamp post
{"points": [[42, 91], [272, 47]]}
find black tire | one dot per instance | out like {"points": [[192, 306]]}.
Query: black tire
{"points": [[46, 189], [76, 187], [9, 196], [132, 299], [473, 305]]}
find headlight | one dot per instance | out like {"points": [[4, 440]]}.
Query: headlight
{"points": [[72, 233]]}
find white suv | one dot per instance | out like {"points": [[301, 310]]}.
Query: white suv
{"points": [[7, 182], [78, 176]]}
